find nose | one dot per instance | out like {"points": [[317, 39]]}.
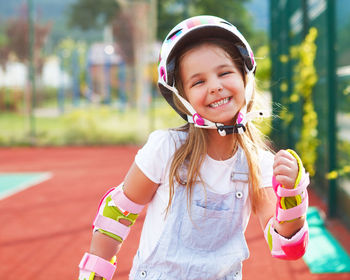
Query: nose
{"points": [[215, 86]]}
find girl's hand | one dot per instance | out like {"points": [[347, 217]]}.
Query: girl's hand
{"points": [[285, 169]]}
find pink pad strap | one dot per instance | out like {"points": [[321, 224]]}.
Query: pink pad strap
{"points": [[284, 192], [300, 209], [124, 203], [111, 226], [286, 248], [293, 213], [98, 265]]}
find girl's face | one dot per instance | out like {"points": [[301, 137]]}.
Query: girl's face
{"points": [[212, 83]]}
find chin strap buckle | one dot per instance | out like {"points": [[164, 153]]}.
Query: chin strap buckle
{"points": [[239, 128], [229, 129], [222, 131]]}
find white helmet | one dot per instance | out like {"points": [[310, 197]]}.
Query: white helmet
{"points": [[192, 30]]}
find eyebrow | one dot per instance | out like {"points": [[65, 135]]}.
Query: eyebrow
{"points": [[225, 65]]}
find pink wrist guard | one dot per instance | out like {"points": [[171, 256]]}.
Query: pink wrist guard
{"points": [[284, 248], [299, 192], [91, 263]]}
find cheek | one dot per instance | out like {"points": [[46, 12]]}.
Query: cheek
{"points": [[196, 98], [239, 91], [241, 96]]}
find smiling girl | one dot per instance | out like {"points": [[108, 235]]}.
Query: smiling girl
{"points": [[201, 181]]}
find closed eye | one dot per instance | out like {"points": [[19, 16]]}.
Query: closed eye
{"points": [[225, 73], [197, 83]]}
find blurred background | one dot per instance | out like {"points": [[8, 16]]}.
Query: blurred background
{"points": [[83, 72]]}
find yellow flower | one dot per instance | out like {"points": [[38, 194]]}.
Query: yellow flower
{"points": [[346, 168], [284, 58], [332, 175], [294, 98], [284, 86]]}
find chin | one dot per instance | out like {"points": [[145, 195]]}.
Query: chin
{"points": [[225, 122]]}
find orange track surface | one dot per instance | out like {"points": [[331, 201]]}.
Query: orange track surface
{"points": [[46, 229]]}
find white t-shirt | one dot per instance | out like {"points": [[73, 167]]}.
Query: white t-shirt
{"points": [[154, 160]]}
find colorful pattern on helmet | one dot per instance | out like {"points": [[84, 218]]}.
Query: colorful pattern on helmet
{"points": [[190, 23], [187, 26], [177, 34], [212, 27]]}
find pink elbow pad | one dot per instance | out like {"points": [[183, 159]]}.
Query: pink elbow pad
{"points": [[122, 208], [284, 248]]}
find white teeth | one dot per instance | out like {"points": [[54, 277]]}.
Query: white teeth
{"points": [[219, 103]]}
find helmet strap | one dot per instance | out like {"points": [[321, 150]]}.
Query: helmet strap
{"points": [[223, 130]]}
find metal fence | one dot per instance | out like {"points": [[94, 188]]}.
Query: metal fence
{"points": [[290, 23]]}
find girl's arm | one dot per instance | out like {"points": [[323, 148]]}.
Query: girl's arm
{"points": [[266, 210], [282, 211], [140, 190]]}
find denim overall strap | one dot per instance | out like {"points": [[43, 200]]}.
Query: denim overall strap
{"points": [[204, 242]]}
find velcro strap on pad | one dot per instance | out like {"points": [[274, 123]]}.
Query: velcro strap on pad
{"points": [[284, 192], [293, 213], [111, 226], [98, 265], [124, 203], [292, 203]]}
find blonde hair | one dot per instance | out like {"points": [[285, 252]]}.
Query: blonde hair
{"points": [[192, 152]]}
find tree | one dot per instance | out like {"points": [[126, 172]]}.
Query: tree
{"points": [[91, 14], [129, 20], [15, 38], [171, 12], [67, 49], [4, 48], [132, 30], [18, 33], [123, 29]]}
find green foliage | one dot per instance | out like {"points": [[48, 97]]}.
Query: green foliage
{"points": [[171, 12], [101, 125], [45, 97], [233, 11], [3, 38], [13, 129], [18, 42], [343, 161], [344, 158], [343, 102], [10, 99], [70, 51], [90, 14], [263, 72], [305, 78], [4, 47], [344, 41]]}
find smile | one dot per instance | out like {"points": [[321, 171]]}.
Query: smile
{"points": [[220, 102]]}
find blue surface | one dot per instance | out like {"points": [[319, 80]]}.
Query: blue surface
{"points": [[324, 253], [11, 183]]}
